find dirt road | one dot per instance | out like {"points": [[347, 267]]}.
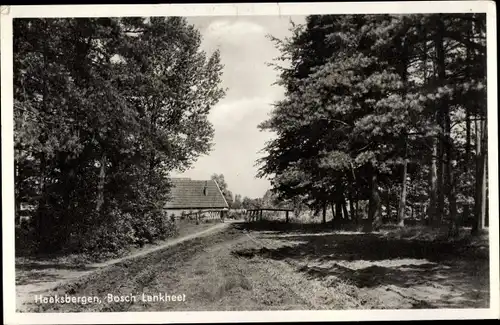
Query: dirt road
{"points": [[34, 279], [241, 268]]}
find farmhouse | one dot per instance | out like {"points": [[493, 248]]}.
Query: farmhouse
{"points": [[199, 198]]}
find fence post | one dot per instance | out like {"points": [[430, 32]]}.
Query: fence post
{"points": [[287, 216]]}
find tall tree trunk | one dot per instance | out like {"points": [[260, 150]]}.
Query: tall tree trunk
{"points": [[41, 221], [356, 209], [339, 198], [484, 195], [466, 209], [433, 216], [338, 210], [377, 217], [466, 166], [402, 198], [352, 210], [446, 123], [487, 199], [101, 183], [324, 212], [440, 178], [467, 137], [484, 151], [353, 195], [480, 188], [17, 196], [344, 210], [404, 77], [403, 72], [374, 215], [433, 192], [451, 184]]}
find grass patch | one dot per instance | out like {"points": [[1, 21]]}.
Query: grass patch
{"points": [[410, 267], [80, 260], [463, 244], [232, 282]]}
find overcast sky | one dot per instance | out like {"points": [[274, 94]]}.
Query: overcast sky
{"points": [[245, 50]]}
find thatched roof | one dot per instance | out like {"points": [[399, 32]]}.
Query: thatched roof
{"points": [[195, 194]]}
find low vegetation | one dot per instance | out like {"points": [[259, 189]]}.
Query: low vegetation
{"points": [[278, 266], [392, 268], [104, 110]]}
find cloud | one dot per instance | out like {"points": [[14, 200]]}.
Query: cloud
{"points": [[237, 141], [237, 144], [244, 53], [241, 111], [224, 29]]}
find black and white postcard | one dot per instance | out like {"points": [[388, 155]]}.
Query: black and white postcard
{"points": [[249, 162]]}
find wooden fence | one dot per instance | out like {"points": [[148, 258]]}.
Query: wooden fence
{"points": [[256, 214]]}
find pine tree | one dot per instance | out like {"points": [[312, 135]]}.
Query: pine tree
{"points": [[369, 100]]}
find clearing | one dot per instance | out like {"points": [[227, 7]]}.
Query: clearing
{"points": [[251, 266]]}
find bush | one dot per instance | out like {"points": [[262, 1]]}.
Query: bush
{"points": [[165, 225], [124, 229], [236, 215], [25, 239], [110, 230]]}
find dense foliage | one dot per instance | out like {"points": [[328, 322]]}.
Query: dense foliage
{"points": [[104, 109], [384, 109], [221, 182]]}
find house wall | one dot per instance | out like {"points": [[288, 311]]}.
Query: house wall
{"points": [[177, 213]]}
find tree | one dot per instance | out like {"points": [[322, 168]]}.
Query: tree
{"points": [[369, 100], [104, 109], [249, 203], [228, 195], [237, 203], [246, 203]]}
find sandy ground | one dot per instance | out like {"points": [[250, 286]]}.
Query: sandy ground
{"points": [[35, 276], [241, 268], [384, 273]]}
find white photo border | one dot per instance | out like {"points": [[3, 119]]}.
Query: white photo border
{"points": [[8, 13]]}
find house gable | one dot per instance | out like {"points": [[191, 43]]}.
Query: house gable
{"points": [[195, 194]]}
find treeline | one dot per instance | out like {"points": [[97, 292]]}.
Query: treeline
{"points": [[221, 182], [269, 200], [104, 109], [236, 201], [249, 203], [384, 109]]}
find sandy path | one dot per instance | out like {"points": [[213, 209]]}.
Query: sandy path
{"points": [[51, 278], [163, 246], [242, 269], [204, 270]]}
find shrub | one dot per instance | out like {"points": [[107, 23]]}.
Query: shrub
{"points": [[25, 240], [120, 230]]}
